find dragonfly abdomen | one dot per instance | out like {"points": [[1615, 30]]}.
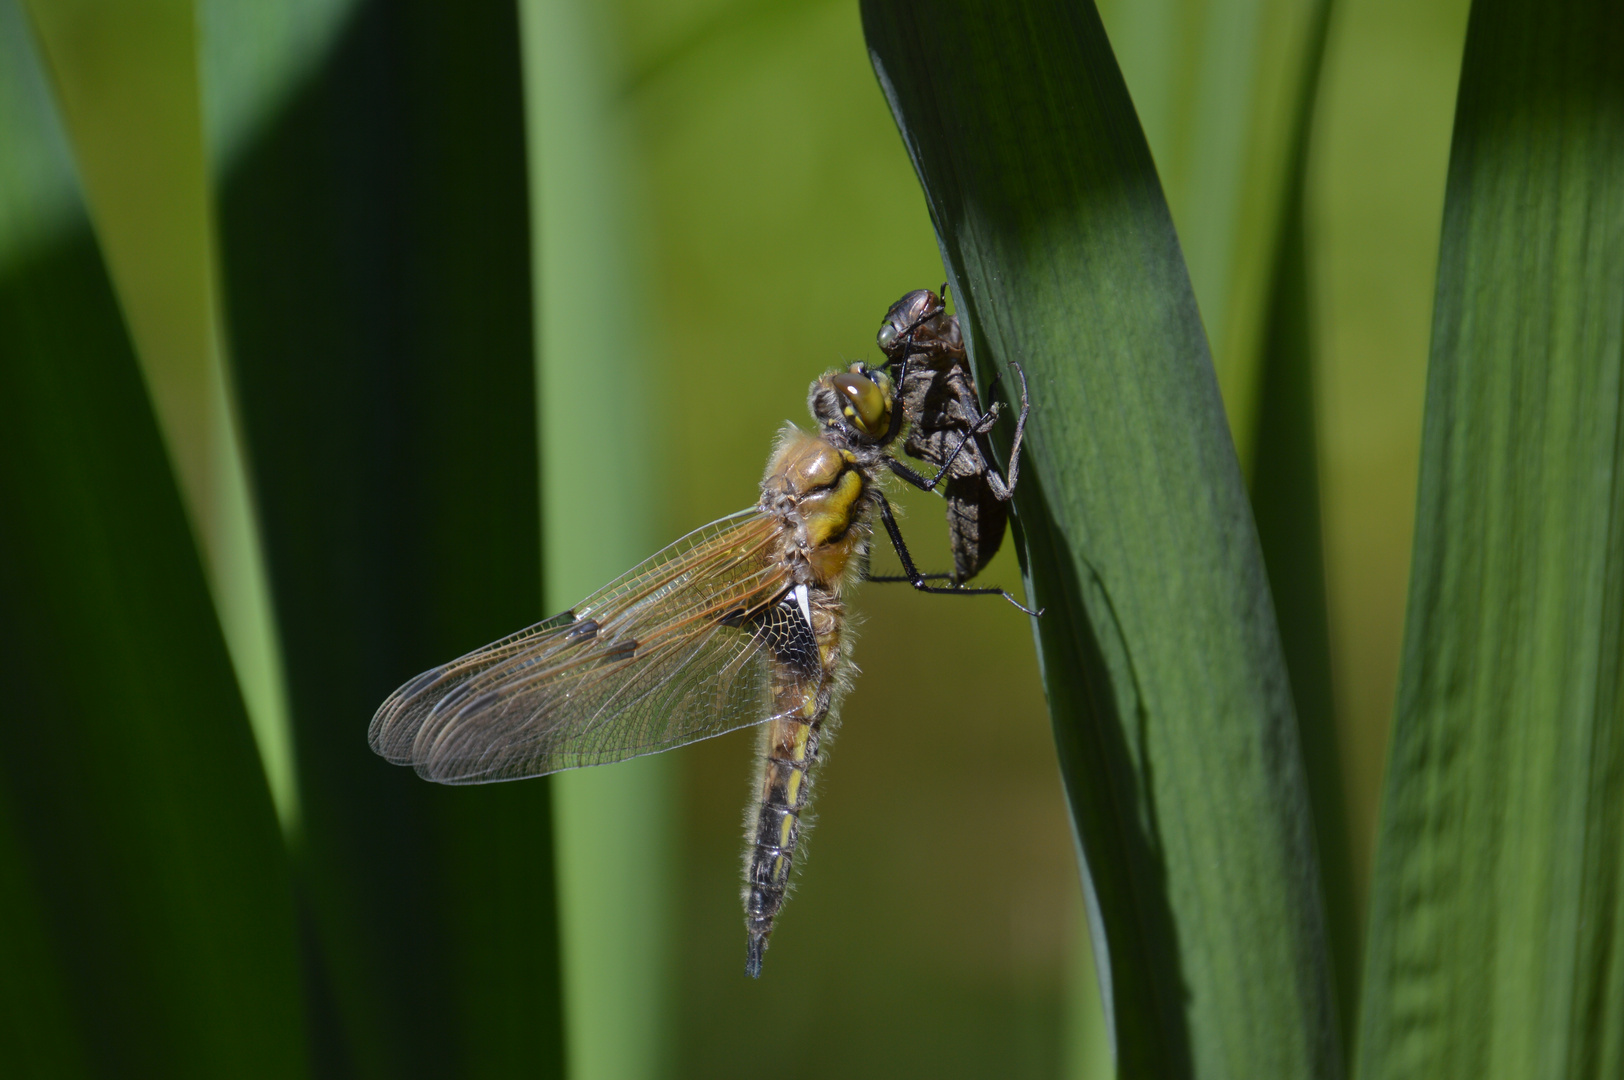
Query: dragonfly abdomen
{"points": [[804, 710]]}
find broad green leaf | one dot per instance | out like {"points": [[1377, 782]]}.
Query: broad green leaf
{"points": [[148, 918], [1171, 708], [1495, 946], [616, 826], [374, 242], [1226, 91]]}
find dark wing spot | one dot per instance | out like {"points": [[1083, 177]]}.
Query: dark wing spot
{"points": [[787, 634], [584, 630], [624, 649]]}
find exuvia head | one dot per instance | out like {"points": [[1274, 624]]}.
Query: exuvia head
{"points": [[918, 329], [859, 402], [904, 319]]}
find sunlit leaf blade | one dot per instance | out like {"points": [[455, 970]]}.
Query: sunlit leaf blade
{"points": [[1171, 708], [375, 247], [1497, 930], [147, 915]]}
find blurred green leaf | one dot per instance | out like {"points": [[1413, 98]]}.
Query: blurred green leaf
{"points": [[148, 917], [375, 247], [1495, 937], [1087, 1044], [1216, 86], [127, 80], [1285, 495], [1166, 683], [615, 827]]}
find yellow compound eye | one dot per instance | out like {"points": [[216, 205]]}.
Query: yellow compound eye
{"points": [[864, 404]]}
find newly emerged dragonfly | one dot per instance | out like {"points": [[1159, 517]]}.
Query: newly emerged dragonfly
{"points": [[742, 622], [946, 424]]}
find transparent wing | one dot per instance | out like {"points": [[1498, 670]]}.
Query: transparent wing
{"points": [[669, 653]]}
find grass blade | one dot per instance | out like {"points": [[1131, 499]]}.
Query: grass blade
{"points": [[374, 238], [1499, 889], [1166, 684], [148, 918]]}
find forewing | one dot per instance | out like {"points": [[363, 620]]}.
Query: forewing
{"points": [[664, 655]]}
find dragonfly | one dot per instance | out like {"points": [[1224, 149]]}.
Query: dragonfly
{"points": [[946, 424], [740, 623]]}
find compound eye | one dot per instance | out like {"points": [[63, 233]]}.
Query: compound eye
{"points": [[863, 404], [888, 336]]}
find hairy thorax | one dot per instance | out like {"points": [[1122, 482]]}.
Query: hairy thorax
{"points": [[819, 492]]}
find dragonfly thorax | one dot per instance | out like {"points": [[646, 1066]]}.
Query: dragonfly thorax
{"points": [[821, 494]]}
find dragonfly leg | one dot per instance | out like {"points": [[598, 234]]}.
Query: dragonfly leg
{"points": [[982, 425], [918, 580]]}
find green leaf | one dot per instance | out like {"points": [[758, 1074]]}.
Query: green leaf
{"points": [[616, 826], [1495, 947], [1227, 91], [1285, 490], [375, 248], [148, 918], [127, 81], [1171, 708], [1217, 86]]}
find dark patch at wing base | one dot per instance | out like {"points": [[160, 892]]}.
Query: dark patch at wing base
{"points": [[785, 631]]}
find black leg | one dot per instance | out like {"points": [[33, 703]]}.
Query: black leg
{"points": [[917, 580], [982, 425], [886, 579], [918, 480]]}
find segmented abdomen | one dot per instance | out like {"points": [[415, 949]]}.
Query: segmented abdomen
{"points": [[789, 752]]}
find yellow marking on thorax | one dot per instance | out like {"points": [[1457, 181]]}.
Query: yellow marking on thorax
{"points": [[793, 788], [784, 828], [829, 513]]}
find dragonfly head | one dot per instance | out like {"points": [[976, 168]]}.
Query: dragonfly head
{"points": [[859, 402]]}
